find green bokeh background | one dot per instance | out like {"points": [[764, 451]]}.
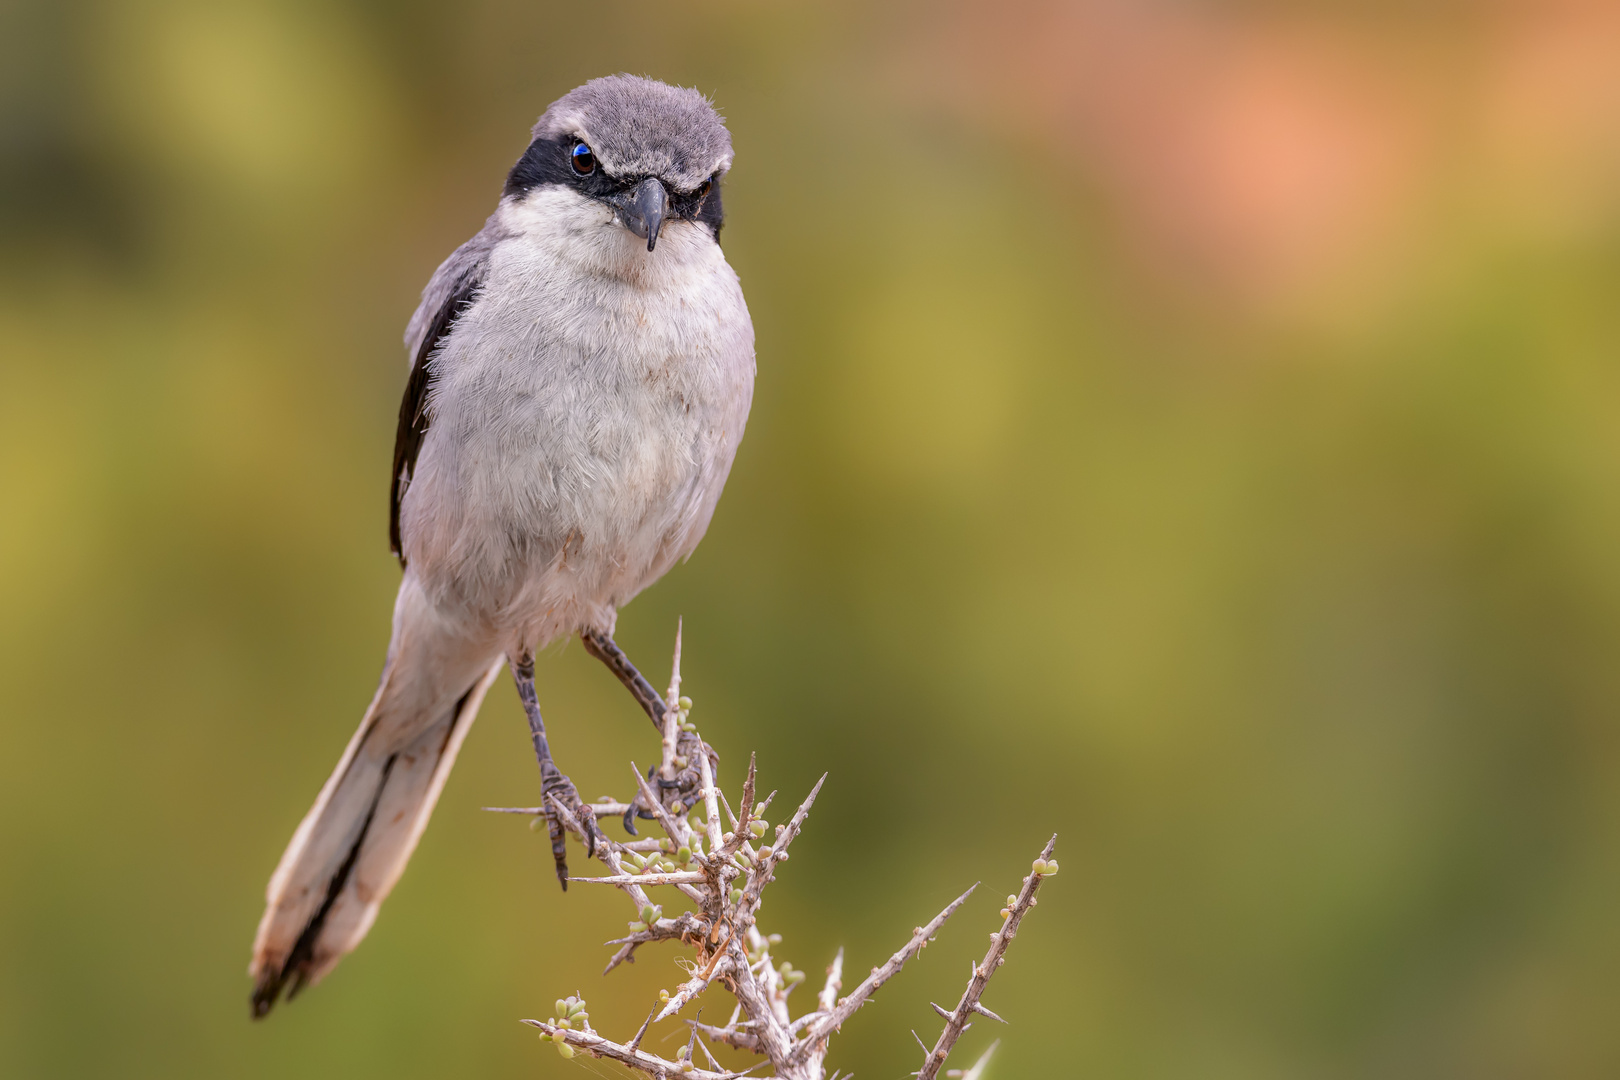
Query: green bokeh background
{"points": [[1273, 562]]}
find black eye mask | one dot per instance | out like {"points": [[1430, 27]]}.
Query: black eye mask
{"points": [[561, 161]]}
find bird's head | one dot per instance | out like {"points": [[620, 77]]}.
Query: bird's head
{"points": [[652, 153]]}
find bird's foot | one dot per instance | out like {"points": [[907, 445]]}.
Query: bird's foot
{"points": [[687, 784], [682, 791], [554, 785]]}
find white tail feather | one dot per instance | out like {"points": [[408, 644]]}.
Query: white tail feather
{"points": [[352, 846]]}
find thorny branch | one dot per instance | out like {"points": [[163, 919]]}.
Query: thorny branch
{"points": [[723, 873], [959, 1019]]}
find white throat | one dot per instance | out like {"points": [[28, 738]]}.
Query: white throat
{"points": [[582, 233]]}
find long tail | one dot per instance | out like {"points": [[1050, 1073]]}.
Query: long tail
{"points": [[353, 844]]}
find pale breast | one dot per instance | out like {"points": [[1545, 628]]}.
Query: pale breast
{"points": [[585, 412]]}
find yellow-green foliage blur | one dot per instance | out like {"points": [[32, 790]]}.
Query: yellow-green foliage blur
{"points": [[1191, 428]]}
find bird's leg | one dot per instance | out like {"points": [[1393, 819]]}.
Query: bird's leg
{"points": [[687, 747], [605, 649], [552, 781]]}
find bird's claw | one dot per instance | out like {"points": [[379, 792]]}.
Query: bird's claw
{"points": [[638, 806], [689, 781], [687, 784], [554, 785]]}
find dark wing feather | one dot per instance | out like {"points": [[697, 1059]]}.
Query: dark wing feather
{"points": [[413, 411]]}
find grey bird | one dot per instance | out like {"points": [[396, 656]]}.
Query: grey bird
{"points": [[581, 372]]}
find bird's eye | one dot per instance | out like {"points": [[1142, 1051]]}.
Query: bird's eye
{"points": [[584, 160]]}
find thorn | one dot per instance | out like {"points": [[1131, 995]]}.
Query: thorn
{"points": [[675, 666], [948, 1016], [920, 1043], [645, 1024], [981, 1010], [693, 1041]]}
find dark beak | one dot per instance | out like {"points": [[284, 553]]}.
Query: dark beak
{"points": [[643, 208]]}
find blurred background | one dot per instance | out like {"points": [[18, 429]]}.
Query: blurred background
{"points": [[1190, 427]]}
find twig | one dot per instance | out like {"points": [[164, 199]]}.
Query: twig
{"points": [[766, 872], [711, 802], [729, 1035], [664, 930], [882, 974], [958, 1019], [661, 930], [679, 877], [672, 712], [835, 975], [694, 986], [638, 1059]]}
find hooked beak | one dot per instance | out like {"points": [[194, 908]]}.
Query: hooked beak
{"points": [[643, 208]]}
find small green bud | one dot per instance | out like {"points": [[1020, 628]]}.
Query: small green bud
{"points": [[775, 939], [684, 702], [564, 1049], [536, 824], [736, 895], [663, 997], [689, 727], [683, 855], [680, 761], [563, 1023], [757, 827], [562, 1007]]}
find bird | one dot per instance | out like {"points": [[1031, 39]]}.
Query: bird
{"points": [[581, 375]]}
